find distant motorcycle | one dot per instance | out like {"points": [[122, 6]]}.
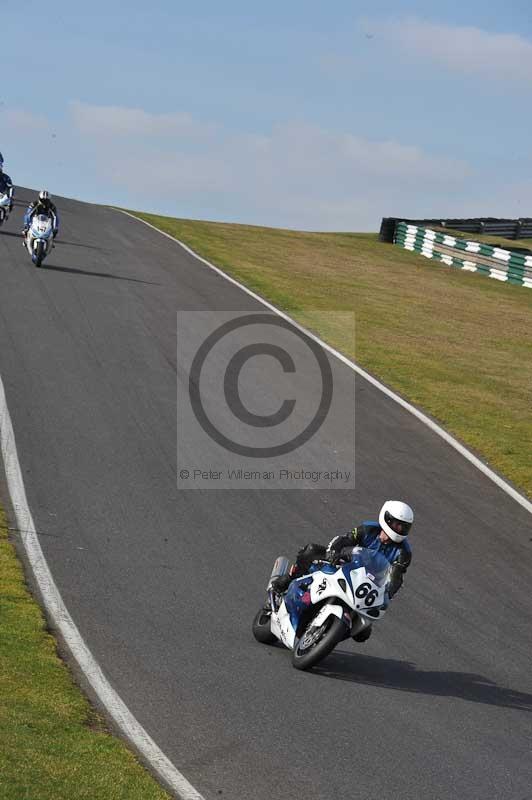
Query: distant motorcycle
{"points": [[329, 604], [40, 238], [5, 207]]}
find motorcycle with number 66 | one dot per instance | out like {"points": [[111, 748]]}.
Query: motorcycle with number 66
{"points": [[329, 604]]}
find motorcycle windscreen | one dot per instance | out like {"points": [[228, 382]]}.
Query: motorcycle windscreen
{"points": [[376, 565], [42, 223]]}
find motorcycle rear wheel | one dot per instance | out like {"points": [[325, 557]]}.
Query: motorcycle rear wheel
{"points": [[262, 627], [313, 646]]}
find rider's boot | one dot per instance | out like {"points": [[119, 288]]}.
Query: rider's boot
{"points": [[364, 635]]}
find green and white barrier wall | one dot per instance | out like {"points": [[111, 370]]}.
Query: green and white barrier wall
{"points": [[503, 265]]}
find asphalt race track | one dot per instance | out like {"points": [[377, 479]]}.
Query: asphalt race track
{"points": [[163, 583]]}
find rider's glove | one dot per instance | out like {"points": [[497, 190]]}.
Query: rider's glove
{"points": [[333, 553], [311, 552], [344, 554]]}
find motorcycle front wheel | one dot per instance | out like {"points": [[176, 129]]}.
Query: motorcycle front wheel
{"points": [[316, 643], [38, 254]]}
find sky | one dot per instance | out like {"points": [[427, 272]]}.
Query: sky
{"points": [[307, 115]]}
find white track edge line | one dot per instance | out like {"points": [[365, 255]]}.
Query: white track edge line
{"points": [[467, 454], [64, 623]]}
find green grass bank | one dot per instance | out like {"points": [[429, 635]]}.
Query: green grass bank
{"points": [[54, 746], [456, 344]]}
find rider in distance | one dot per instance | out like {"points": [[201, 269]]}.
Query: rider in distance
{"points": [[6, 184]]}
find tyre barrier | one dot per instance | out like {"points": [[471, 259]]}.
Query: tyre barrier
{"points": [[509, 266]]}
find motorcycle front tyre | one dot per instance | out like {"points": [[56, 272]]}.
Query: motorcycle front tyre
{"points": [[39, 254], [334, 631]]}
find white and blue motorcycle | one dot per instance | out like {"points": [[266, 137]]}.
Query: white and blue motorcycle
{"points": [[40, 238], [5, 207], [324, 607]]}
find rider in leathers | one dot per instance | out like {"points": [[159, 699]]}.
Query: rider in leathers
{"points": [[388, 536], [43, 205], [6, 184]]}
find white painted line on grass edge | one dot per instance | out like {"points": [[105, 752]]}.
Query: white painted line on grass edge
{"points": [[501, 483], [64, 623]]}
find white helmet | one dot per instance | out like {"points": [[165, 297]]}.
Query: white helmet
{"points": [[396, 519], [44, 195]]}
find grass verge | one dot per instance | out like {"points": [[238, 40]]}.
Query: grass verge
{"points": [[456, 344], [54, 746]]}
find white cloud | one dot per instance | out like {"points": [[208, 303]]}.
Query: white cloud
{"points": [[470, 50], [297, 175], [110, 121]]}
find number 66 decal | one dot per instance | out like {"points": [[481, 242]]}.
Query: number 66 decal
{"points": [[366, 593]]}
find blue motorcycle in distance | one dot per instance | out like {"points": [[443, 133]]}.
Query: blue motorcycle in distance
{"points": [[6, 202], [329, 604]]}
